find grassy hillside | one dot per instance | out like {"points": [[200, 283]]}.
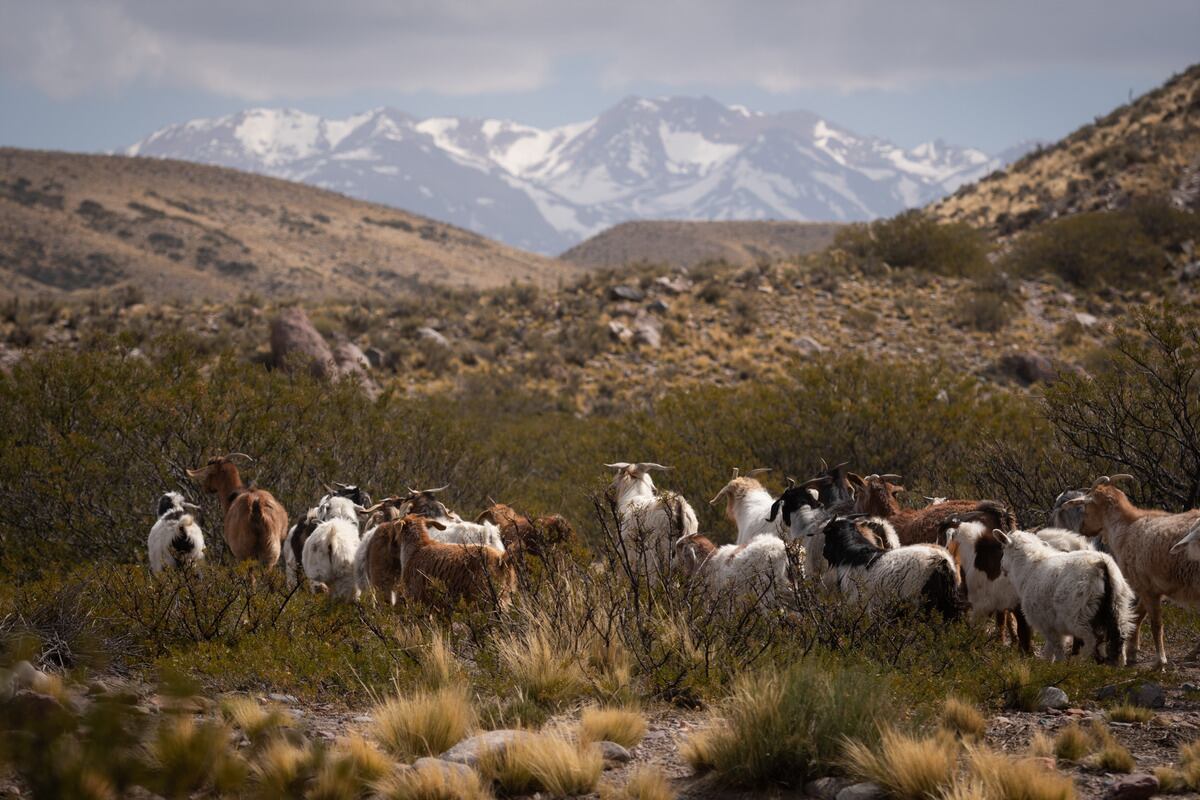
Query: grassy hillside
{"points": [[73, 222], [1147, 149], [686, 244]]}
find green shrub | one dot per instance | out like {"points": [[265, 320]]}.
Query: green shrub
{"points": [[914, 240], [1089, 250]]}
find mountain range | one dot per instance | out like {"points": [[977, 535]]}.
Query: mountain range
{"points": [[545, 190]]}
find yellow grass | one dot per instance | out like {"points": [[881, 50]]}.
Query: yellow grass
{"points": [[907, 767], [1129, 713], [699, 749], [1041, 745], [281, 770], [543, 763], [644, 783], [349, 770], [258, 723], [1170, 780], [540, 670], [424, 723], [1072, 743], [963, 719], [431, 782], [439, 665], [1004, 777], [1110, 756], [619, 725]]}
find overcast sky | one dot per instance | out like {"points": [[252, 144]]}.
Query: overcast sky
{"points": [[100, 74]]}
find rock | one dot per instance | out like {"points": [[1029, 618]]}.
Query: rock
{"points": [[614, 753], [620, 331], [281, 698], [861, 791], [27, 707], [448, 768], [1190, 271], [1085, 319], [1053, 697], [808, 345], [631, 293], [428, 334], [469, 750], [1137, 786], [826, 788], [351, 362], [1027, 368], [26, 676], [1147, 695], [295, 340], [375, 357], [1190, 687], [646, 331], [658, 306], [676, 285]]}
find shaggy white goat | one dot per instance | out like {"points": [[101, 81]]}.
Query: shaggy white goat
{"points": [[1081, 594], [175, 540], [748, 506], [649, 521], [328, 555], [758, 569]]}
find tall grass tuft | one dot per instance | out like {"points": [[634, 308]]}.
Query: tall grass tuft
{"points": [[431, 782], [788, 727], [1072, 743], [424, 723], [543, 672], [1127, 712], [962, 719], [643, 783], [261, 725], [1110, 755], [619, 725], [907, 767], [1004, 777], [543, 763]]}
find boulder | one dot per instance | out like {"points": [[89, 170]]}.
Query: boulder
{"points": [[648, 332], [676, 285], [862, 791], [469, 750], [1137, 786], [658, 306], [620, 331], [295, 340], [1085, 319], [631, 293], [351, 362], [826, 788], [27, 708], [447, 768], [1147, 695], [1053, 697], [614, 753], [1027, 368], [375, 357], [428, 334], [808, 345]]}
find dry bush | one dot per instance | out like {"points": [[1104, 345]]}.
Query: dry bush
{"points": [[907, 767], [349, 770], [432, 782], [619, 725], [1110, 755], [424, 723], [643, 783], [963, 719], [1127, 712], [260, 725], [1072, 743], [1005, 777], [543, 763]]}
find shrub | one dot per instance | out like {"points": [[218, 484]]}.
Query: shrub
{"points": [[1110, 755], [914, 240], [424, 723], [543, 763], [1127, 712], [1090, 249], [349, 771], [1072, 743], [619, 725], [787, 727], [907, 767], [541, 670], [963, 719], [1170, 780]]}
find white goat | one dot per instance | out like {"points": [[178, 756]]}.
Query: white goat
{"points": [[1081, 594], [748, 506], [484, 533], [649, 521], [175, 540], [328, 556], [758, 569], [864, 571]]}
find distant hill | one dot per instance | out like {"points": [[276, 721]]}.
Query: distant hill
{"points": [[85, 222], [1149, 148], [686, 244]]}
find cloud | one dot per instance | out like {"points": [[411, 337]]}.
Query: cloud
{"points": [[259, 49]]}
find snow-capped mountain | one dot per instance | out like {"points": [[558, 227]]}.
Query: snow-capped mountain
{"points": [[545, 190]]}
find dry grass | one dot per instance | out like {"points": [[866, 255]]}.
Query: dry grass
{"points": [[431, 782], [1072, 743], [543, 763], [189, 755], [1110, 755], [1129, 713], [963, 719], [260, 724], [540, 670], [424, 723], [1170, 780], [281, 770], [1002, 777], [907, 767], [439, 665], [1041, 745], [350, 769], [644, 783], [619, 725]]}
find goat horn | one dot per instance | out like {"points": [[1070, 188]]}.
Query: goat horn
{"points": [[1122, 476], [1103, 480], [758, 471], [874, 476], [720, 494], [618, 465], [824, 466], [890, 477], [842, 465], [820, 480], [243, 455], [646, 466], [791, 483], [735, 473]]}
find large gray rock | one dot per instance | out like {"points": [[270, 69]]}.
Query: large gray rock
{"points": [[862, 791], [448, 768], [676, 285], [826, 788], [294, 340], [631, 293], [428, 334], [1053, 697], [648, 332], [469, 751], [351, 362], [1027, 368], [1138, 786], [1148, 695], [614, 753]]}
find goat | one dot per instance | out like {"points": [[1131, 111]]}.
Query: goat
{"points": [[747, 507], [432, 569], [255, 522], [1141, 542], [328, 555], [648, 519], [297, 535], [925, 525], [175, 540], [1081, 594], [804, 514], [1064, 516], [520, 532], [978, 554], [920, 573], [376, 567], [758, 569]]}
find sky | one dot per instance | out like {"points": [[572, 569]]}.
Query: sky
{"points": [[97, 75]]}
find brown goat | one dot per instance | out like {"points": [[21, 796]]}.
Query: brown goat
{"points": [[927, 525], [521, 534], [255, 522], [434, 571]]}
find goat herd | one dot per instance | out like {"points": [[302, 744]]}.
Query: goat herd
{"points": [[1094, 575]]}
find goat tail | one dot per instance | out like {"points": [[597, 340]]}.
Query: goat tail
{"points": [[1113, 615], [256, 511], [942, 591]]}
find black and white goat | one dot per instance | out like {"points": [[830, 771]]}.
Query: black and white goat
{"points": [[175, 540]]}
